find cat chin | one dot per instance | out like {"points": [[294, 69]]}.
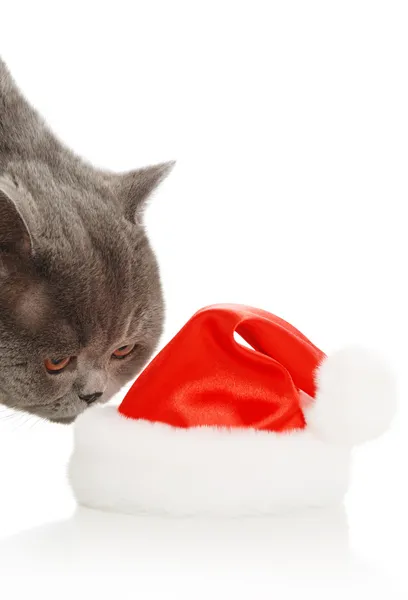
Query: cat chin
{"points": [[63, 420]]}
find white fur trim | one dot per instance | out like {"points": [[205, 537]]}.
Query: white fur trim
{"points": [[136, 466], [355, 400]]}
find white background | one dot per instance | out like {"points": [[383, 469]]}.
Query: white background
{"points": [[289, 123]]}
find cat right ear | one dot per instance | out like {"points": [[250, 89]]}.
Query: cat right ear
{"points": [[135, 187], [15, 238]]}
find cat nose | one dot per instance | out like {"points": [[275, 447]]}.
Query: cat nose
{"points": [[91, 398]]}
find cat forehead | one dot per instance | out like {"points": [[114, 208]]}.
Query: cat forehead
{"points": [[95, 269], [102, 297], [61, 195], [58, 324], [32, 306]]}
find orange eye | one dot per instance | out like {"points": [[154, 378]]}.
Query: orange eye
{"points": [[123, 351], [54, 365]]}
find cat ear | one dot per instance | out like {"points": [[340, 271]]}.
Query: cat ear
{"points": [[15, 238], [135, 187]]}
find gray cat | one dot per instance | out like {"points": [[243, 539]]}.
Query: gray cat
{"points": [[81, 306]]}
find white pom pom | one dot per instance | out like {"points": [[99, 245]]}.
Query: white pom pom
{"points": [[355, 400]]}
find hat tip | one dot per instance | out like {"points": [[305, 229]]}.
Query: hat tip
{"points": [[355, 400]]}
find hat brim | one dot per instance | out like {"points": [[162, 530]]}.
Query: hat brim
{"points": [[135, 466]]}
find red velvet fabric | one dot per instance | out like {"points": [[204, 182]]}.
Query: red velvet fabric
{"points": [[205, 377]]}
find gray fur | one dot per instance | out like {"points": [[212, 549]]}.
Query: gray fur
{"points": [[77, 274]]}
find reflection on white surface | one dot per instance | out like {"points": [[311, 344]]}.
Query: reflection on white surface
{"points": [[307, 549], [93, 539]]}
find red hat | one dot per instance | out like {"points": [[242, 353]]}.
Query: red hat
{"points": [[212, 425]]}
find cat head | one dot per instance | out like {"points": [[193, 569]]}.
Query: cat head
{"points": [[81, 307]]}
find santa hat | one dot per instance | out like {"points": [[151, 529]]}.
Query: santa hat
{"points": [[214, 426]]}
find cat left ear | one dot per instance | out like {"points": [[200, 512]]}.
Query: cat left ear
{"points": [[15, 238], [135, 187]]}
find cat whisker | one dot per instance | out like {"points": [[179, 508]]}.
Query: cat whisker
{"points": [[22, 421], [32, 421], [7, 417]]}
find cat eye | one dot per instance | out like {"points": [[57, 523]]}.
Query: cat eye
{"points": [[55, 365], [123, 351]]}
